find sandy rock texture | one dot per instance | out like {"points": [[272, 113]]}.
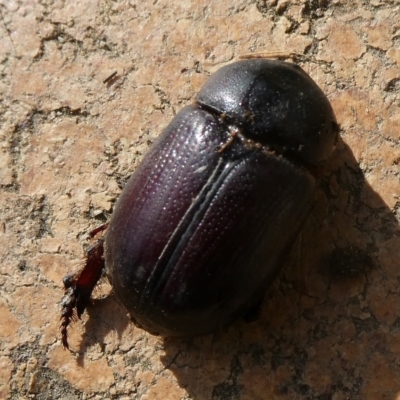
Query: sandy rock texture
{"points": [[330, 327]]}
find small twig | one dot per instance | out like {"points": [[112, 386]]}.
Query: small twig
{"points": [[272, 54], [284, 55], [108, 79]]}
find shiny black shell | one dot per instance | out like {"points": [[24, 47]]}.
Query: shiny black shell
{"points": [[204, 224]]}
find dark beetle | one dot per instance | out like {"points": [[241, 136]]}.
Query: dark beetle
{"points": [[204, 224]]}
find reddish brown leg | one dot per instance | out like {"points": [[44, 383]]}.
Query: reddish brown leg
{"points": [[79, 288], [97, 230]]}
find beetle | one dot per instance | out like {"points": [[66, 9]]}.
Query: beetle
{"points": [[204, 224]]}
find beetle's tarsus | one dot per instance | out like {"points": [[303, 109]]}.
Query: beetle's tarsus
{"points": [[79, 288]]}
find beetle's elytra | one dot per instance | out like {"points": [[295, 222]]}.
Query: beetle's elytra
{"points": [[205, 222]]}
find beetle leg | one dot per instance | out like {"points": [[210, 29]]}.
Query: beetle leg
{"points": [[79, 288], [97, 230]]}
